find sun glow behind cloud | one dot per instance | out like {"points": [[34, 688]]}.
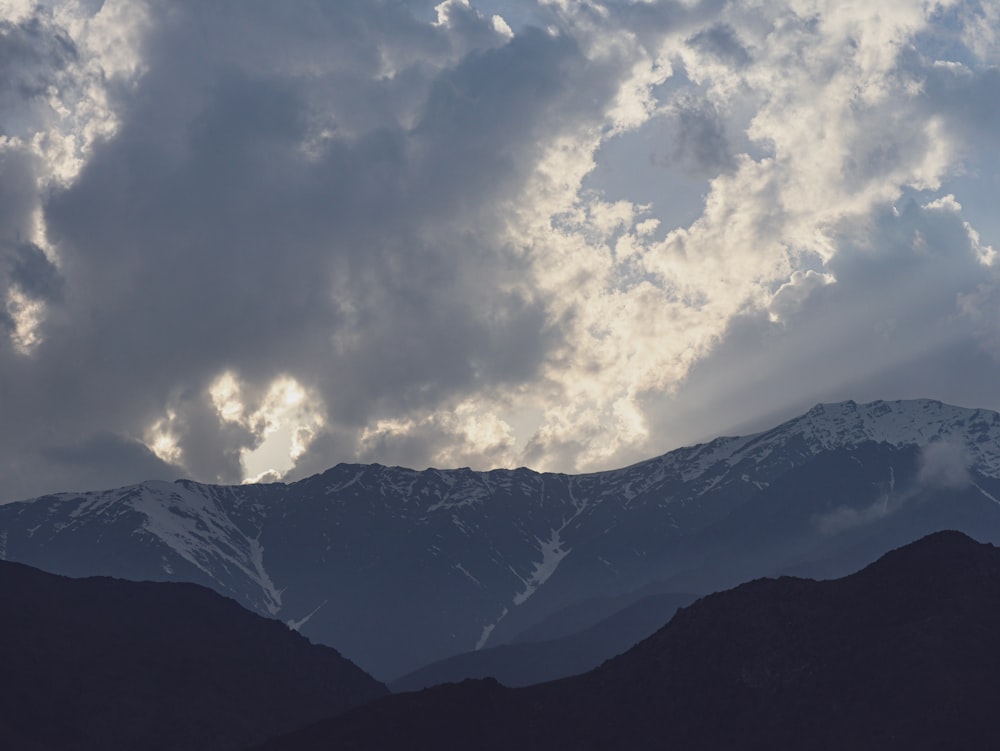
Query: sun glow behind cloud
{"points": [[282, 422], [422, 220], [162, 440], [27, 315]]}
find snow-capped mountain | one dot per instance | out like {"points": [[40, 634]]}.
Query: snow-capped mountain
{"points": [[397, 568]]}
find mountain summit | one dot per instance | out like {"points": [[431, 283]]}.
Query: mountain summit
{"points": [[397, 568]]}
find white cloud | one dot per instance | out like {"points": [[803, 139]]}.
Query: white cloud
{"points": [[846, 517], [162, 440], [944, 464], [280, 423], [313, 232], [827, 95], [27, 316]]}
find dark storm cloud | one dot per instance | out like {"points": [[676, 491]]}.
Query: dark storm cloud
{"points": [[253, 213], [102, 459], [348, 194]]}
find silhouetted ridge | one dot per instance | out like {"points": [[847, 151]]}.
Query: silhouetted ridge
{"points": [[101, 664], [902, 655], [946, 557]]}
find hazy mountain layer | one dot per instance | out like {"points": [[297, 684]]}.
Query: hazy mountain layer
{"points": [[398, 568], [902, 655], [525, 663]]}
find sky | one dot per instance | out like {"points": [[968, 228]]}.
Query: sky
{"points": [[246, 240]]}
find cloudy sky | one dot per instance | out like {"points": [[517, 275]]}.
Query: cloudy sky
{"points": [[245, 239]]}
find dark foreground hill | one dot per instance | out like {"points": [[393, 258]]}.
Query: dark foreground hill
{"points": [[107, 664], [901, 655]]}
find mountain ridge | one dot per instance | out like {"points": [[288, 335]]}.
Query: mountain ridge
{"points": [[398, 568], [100, 663], [900, 655]]}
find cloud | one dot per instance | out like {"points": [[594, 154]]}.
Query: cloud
{"points": [[896, 321], [942, 464], [100, 461], [407, 213], [29, 269], [249, 223], [722, 41], [844, 518]]}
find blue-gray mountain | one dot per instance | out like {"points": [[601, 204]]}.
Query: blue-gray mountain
{"points": [[901, 656], [526, 663], [397, 568]]}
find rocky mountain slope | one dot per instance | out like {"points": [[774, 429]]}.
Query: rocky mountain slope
{"points": [[398, 568]]}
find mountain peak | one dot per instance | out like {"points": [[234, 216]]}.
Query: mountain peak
{"points": [[904, 422], [946, 558]]}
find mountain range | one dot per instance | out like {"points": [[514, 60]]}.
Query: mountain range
{"points": [[901, 655], [398, 568]]}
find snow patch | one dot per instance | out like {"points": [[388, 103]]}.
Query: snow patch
{"points": [[462, 568], [607, 563], [552, 554], [922, 422], [356, 479], [296, 625], [94, 504], [992, 498], [461, 491], [487, 630], [196, 528]]}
